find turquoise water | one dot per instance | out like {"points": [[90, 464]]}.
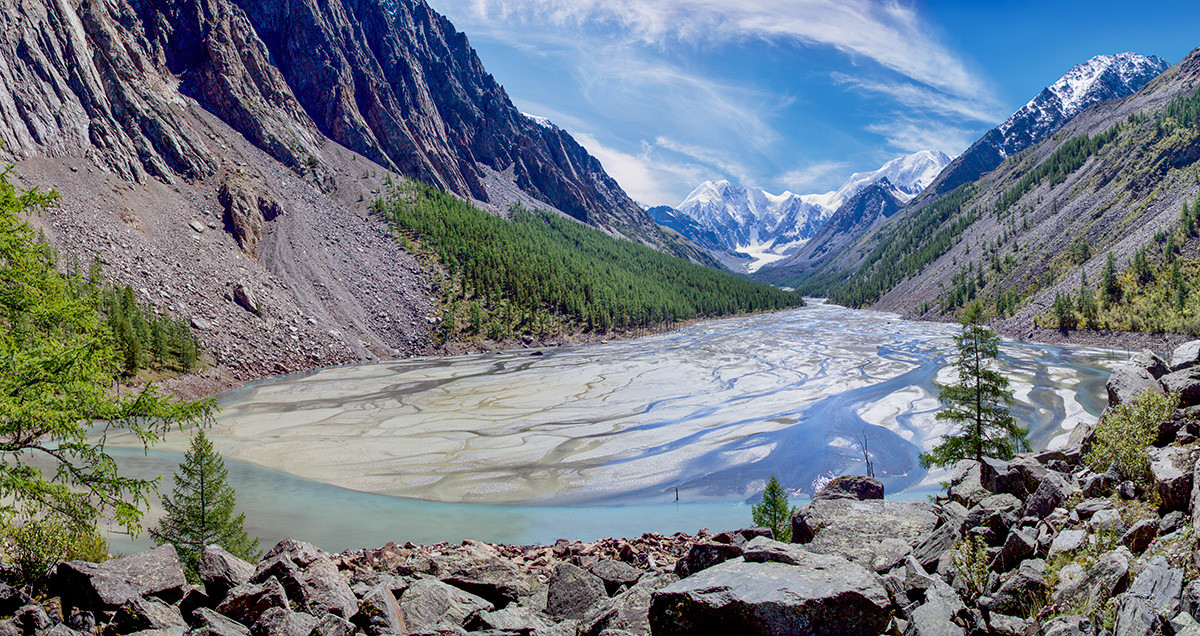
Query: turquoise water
{"points": [[599, 440]]}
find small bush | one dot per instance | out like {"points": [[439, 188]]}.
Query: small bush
{"points": [[36, 545], [972, 563], [1124, 433]]}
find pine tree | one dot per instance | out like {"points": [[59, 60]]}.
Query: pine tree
{"points": [[1110, 287], [979, 402], [200, 510], [773, 511]]}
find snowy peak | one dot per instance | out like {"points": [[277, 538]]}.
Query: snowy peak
{"points": [[1101, 78], [768, 226]]}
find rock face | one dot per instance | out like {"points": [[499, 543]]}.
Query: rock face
{"points": [[857, 530], [790, 591]]}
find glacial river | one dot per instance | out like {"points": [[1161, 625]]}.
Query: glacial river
{"points": [[671, 432]]}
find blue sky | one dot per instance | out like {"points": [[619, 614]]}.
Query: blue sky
{"points": [[791, 94]]}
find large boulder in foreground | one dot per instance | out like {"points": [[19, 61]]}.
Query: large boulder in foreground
{"points": [[1127, 382], [857, 487], [109, 585], [857, 530], [778, 589]]}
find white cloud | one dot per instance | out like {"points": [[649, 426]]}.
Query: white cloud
{"points": [[646, 178], [889, 32], [709, 157], [913, 135], [800, 180], [924, 99]]}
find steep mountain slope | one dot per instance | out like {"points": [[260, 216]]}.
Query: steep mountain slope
{"points": [[1101, 78], [220, 157], [862, 213], [1104, 77], [767, 227], [1113, 180]]}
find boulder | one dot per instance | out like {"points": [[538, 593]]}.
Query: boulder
{"points": [[1091, 506], [930, 548], [1050, 493], [220, 571], [1186, 383], [12, 599], [857, 487], [247, 602], [1068, 626], [1020, 589], [481, 572], [1138, 537], [244, 296], [1067, 541], [430, 605], [217, 624], [1151, 362], [1018, 546], [379, 613], [854, 529], [32, 619], [705, 555], [629, 610], [1186, 355], [1172, 468], [572, 591], [999, 477], [513, 618], [333, 625], [1127, 382], [615, 574], [966, 486], [324, 591], [795, 592], [937, 615], [299, 552], [278, 621], [1103, 580], [888, 554], [144, 613], [108, 585], [1107, 521]]}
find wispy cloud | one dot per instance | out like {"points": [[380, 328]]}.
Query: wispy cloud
{"points": [[800, 180], [914, 134], [926, 100], [720, 161], [648, 179], [888, 32]]}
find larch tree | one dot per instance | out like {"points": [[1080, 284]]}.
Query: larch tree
{"points": [[200, 509], [979, 402], [774, 512]]}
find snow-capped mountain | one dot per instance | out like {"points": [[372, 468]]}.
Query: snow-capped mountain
{"points": [[768, 226], [1101, 78]]}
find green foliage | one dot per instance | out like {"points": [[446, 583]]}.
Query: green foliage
{"points": [[38, 544], [1125, 432], [1064, 311], [979, 402], [774, 512], [906, 247], [1055, 169], [200, 509], [514, 273], [57, 364], [1110, 287], [972, 562]]}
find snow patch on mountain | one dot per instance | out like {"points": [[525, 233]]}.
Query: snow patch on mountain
{"points": [[767, 227]]}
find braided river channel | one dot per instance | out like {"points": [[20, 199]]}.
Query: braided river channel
{"points": [[672, 432]]}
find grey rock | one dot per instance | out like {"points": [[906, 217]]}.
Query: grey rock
{"points": [[1172, 521], [217, 624], [1018, 546], [144, 613], [966, 487], [857, 487], [1135, 617], [245, 297], [1102, 484], [1171, 469], [1050, 494], [1151, 362], [854, 529], [1021, 588], [333, 625], [247, 602], [430, 605], [514, 619], [1189, 600], [1139, 536], [705, 555], [482, 573], [325, 591], [1005, 625], [930, 548], [1068, 626], [1186, 383], [108, 585], [1105, 579], [1127, 382], [32, 618], [220, 571], [888, 554], [1090, 507], [301, 553], [379, 613], [572, 591], [936, 616], [12, 599], [278, 621], [1005, 502], [1184, 625], [1160, 585], [614, 574], [1185, 355], [1067, 541], [628, 610], [819, 594], [1001, 478], [1107, 521]]}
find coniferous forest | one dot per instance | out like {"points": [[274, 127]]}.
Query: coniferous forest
{"points": [[536, 273]]}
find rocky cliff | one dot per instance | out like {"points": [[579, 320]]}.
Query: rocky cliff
{"points": [[216, 150]]}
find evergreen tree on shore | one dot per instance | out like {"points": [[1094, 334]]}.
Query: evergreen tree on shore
{"points": [[774, 512], [200, 510], [979, 402]]}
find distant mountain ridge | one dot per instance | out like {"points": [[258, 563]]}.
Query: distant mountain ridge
{"points": [[1101, 78], [768, 226]]}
